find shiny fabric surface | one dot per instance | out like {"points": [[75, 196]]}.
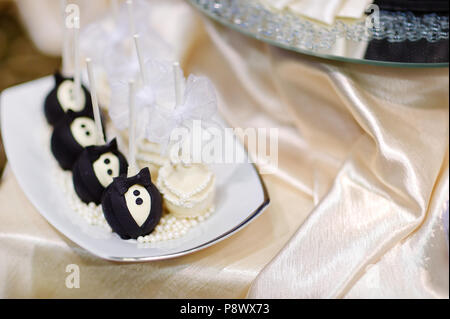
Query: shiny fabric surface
{"points": [[356, 200]]}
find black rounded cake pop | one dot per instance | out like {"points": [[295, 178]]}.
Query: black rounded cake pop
{"points": [[132, 206], [71, 135], [62, 98], [95, 169]]}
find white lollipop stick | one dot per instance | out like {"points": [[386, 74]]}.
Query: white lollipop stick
{"points": [[178, 84], [178, 96], [132, 167], [137, 43], [131, 17], [76, 47], [97, 117], [65, 41]]}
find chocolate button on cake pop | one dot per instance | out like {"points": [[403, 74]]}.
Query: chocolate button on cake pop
{"points": [[71, 135], [132, 206], [95, 169], [62, 98]]}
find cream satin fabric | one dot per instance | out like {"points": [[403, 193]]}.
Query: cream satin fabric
{"points": [[363, 158]]}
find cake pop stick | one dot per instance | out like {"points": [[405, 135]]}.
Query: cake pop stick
{"points": [[65, 40], [130, 7], [97, 117], [178, 96], [132, 167], [98, 164], [178, 84], [137, 43], [76, 48]]}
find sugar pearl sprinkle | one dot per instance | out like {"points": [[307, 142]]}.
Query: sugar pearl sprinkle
{"points": [[91, 213], [169, 227]]}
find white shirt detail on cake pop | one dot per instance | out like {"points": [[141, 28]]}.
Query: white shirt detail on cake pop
{"points": [[84, 131], [66, 97], [139, 203], [106, 167]]}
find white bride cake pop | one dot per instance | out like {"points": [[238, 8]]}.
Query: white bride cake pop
{"points": [[188, 189], [150, 155], [156, 81]]}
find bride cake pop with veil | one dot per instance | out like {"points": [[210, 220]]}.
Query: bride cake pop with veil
{"points": [[153, 87], [188, 189]]}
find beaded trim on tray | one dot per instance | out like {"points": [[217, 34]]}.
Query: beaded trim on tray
{"points": [[292, 30]]}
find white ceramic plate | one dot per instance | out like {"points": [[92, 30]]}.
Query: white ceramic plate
{"points": [[241, 194]]}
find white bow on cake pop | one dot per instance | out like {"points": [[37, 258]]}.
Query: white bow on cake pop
{"points": [[172, 101], [154, 89]]}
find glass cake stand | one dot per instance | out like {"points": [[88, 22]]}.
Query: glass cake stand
{"points": [[400, 38]]}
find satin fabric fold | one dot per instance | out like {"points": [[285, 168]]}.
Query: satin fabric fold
{"points": [[383, 191], [363, 158]]}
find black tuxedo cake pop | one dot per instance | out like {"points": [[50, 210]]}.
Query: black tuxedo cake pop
{"points": [[71, 135], [62, 99], [95, 169], [132, 206]]}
